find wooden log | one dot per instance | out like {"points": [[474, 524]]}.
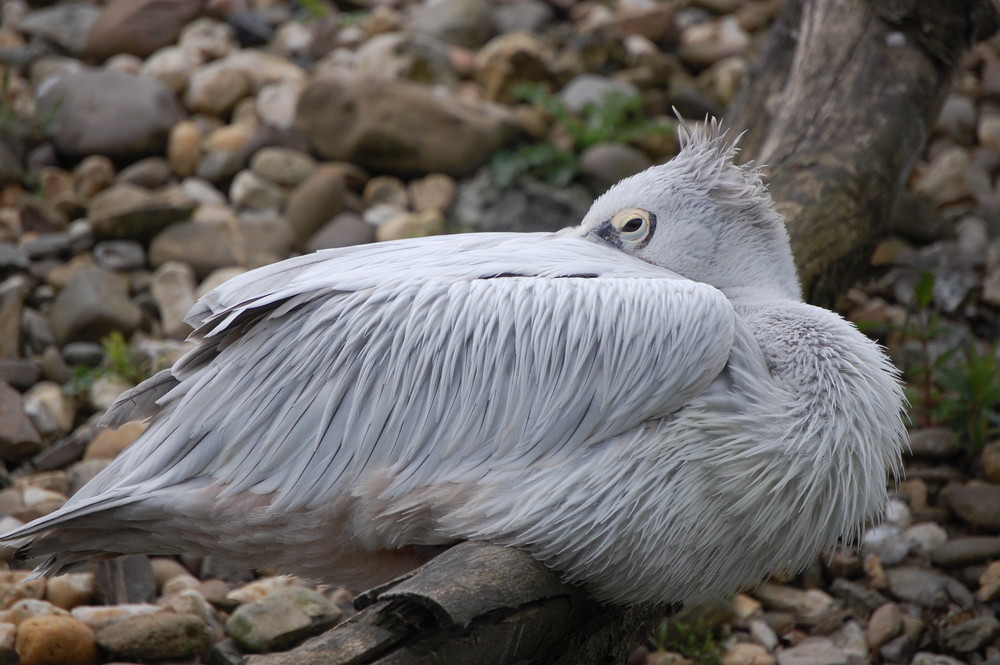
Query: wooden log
{"points": [[839, 106]]}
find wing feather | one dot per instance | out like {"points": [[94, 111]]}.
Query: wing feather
{"points": [[320, 370]]}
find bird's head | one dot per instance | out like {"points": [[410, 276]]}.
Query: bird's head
{"points": [[701, 216]]}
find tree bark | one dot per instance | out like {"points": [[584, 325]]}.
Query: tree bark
{"points": [[839, 106]]}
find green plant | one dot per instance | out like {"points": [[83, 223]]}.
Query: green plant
{"points": [[119, 360], [695, 641], [970, 405], [618, 118]]}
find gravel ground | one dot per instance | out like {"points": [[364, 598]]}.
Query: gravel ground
{"points": [[150, 150]]}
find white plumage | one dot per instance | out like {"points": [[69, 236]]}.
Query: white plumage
{"points": [[642, 402]]}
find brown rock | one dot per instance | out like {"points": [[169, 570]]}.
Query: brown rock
{"points": [[92, 175], [344, 230], [435, 192], [70, 590], [155, 637], [139, 27], [129, 211], [109, 442], [976, 504], [13, 292], [398, 127], [93, 304], [315, 202], [989, 583], [18, 437], [55, 640], [510, 60], [886, 622], [184, 148]]}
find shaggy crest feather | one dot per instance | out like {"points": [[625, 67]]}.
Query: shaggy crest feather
{"points": [[644, 403]]}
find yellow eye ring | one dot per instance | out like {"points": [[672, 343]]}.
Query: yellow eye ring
{"points": [[633, 224]]}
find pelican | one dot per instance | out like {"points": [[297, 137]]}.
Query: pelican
{"points": [[644, 403]]}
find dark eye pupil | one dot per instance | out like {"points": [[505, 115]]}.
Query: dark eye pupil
{"points": [[633, 224]]}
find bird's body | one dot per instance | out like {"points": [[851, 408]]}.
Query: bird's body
{"points": [[634, 402]]}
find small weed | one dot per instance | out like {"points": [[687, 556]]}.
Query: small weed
{"points": [[619, 119], [695, 641], [119, 360], [958, 387]]}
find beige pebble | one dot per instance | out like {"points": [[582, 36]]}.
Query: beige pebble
{"points": [[745, 606], [256, 590], [875, 572], [30, 608], [747, 653], [165, 568], [411, 225], [433, 192], [179, 583], [989, 583], [228, 137], [99, 616], [184, 148], [55, 640], [70, 590], [886, 622]]}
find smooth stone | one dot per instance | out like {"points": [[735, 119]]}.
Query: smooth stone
{"points": [[208, 246], [55, 640], [216, 88], [172, 289], [966, 551], [989, 583], [13, 258], [70, 590], [120, 255], [944, 181], [151, 173], [32, 606], [397, 127], [219, 166], [93, 304], [975, 504], [934, 443], [928, 588], [593, 90], [809, 605], [129, 211], [386, 190], [510, 60], [108, 444], [885, 623], [917, 220], [604, 164], [411, 225], [66, 25], [20, 373], [89, 354], [13, 292], [344, 230], [101, 616], [927, 658], [160, 636], [407, 56], [283, 166], [184, 148], [316, 201], [704, 44], [526, 16], [172, 67], [813, 651], [743, 653], [18, 437], [109, 113], [51, 410], [209, 37], [252, 192], [93, 174], [433, 192], [281, 619], [957, 118], [139, 27], [925, 537], [467, 23]]}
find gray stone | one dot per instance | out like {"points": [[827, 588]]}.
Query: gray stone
{"points": [[315, 202], [88, 354], [109, 113], [933, 443], [139, 27], [397, 127], [812, 651], [467, 23], [13, 292], [886, 541], [594, 90], [976, 504], [49, 245], [121, 255], [13, 258], [529, 16], [915, 219], [927, 658], [129, 211], [66, 25], [208, 246], [344, 230], [928, 588], [52, 412], [530, 206], [173, 290], [219, 166], [94, 303], [957, 118], [20, 373], [283, 166], [897, 650], [966, 551], [604, 164], [808, 605], [925, 537], [216, 88], [155, 637], [18, 437], [38, 334], [281, 619], [411, 57], [151, 173], [253, 192], [971, 635]]}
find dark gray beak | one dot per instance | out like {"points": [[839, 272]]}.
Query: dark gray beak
{"points": [[608, 234]]}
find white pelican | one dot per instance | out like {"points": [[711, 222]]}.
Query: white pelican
{"points": [[643, 402]]}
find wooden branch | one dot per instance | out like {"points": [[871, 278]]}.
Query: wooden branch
{"points": [[839, 106], [477, 603]]}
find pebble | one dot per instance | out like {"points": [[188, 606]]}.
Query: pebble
{"points": [[885, 623], [109, 443], [70, 590], [93, 304], [812, 651], [160, 636], [971, 635], [810, 605], [251, 191], [746, 653], [965, 551], [977, 504], [281, 619], [936, 443], [283, 166], [100, 616], [18, 437], [926, 587], [130, 211], [55, 640], [344, 230], [315, 202]]}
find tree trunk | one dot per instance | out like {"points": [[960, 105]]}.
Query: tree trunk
{"points": [[839, 106]]}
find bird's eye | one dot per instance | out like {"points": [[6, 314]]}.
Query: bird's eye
{"points": [[633, 224]]}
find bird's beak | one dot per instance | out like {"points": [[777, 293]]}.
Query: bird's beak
{"points": [[606, 232]]}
